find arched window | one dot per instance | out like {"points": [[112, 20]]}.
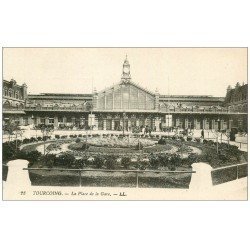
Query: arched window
{"points": [[17, 95], [10, 92], [6, 104], [5, 91]]}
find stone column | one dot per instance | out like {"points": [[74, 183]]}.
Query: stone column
{"points": [[46, 121], [221, 124], [129, 124], [112, 124], [21, 121], [195, 123], [225, 126], [216, 126], [198, 124], [38, 120], [186, 123], [204, 123], [104, 124], [230, 124], [55, 122], [96, 123], [213, 124], [157, 124], [207, 124], [64, 120], [177, 122], [30, 120], [73, 119]]}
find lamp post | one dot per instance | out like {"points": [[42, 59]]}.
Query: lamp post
{"points": [[217, 137], [123, 122], [45, 132], [18, 132], [33, 119]]}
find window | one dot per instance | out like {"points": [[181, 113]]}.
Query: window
{"points": [[17, 94], [5, 91], [51, 120], [10, 92]]}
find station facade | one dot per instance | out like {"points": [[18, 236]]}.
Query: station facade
{"points": [[127, 106]]}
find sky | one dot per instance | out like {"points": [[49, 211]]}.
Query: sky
{"points": [[175, 71]]}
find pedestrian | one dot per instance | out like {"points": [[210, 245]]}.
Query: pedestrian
{"points": [[202, 133]]}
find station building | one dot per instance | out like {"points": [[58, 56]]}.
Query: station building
{"points": [[126, 105]]}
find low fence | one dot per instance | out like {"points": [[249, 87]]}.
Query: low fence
{"points": [[220, 140], [229, 173], [19, 186], [149, 178], [109, 177]]}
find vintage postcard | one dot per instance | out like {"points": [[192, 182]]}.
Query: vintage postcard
{"points": [[124, 124]]}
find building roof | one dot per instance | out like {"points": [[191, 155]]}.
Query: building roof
{"points": [[192, 98], [60, 96]]}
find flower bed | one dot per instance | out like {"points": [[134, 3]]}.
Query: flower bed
{"points": [[117, 142]]}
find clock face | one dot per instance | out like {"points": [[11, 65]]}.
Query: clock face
{"points": [[126, 70]]}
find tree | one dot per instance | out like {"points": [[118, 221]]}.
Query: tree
{"points": [[46, 131], [126, 162]]}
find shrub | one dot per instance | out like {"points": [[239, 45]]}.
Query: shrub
{"points": [[154, 160], [234, 152], [81, 146], [223, 156], [81, 163], [64, 136], [162, 141], [192, 158], [26, 140], [175, 160], [15, 143], [189, 138], [39, 138], [111, 162], [8, 152], [99, 161], [33, 139], [208, 155], [164, 159], [142, 165], [65, 159], [31, 156], [85, 146], [49, 160], [197, 139], [57, 136], [45, 138], [80, 135], [172, 168], [205, 141], [126, 162], [78, 140]]}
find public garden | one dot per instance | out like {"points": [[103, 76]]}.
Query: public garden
{"points": [[112, 159]]}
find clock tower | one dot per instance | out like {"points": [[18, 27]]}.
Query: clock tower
{"points": [[126, 71]]}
